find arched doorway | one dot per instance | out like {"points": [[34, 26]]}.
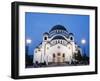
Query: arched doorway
{"points": [[58, 58], [63, 57], [54, 58]]}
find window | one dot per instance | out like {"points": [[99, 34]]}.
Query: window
{"points": [[38, 49], [63, 55], [58, 47], [58, 41], [56, 31], [71, 38], [45, 38], [61, 42], [36, 62], [53, 55], [58, 54]]}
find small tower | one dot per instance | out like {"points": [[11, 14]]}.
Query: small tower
{"points": [[45, 37], [71, 37]]}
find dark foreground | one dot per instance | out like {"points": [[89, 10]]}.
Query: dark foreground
{"points": [[39, 65]]}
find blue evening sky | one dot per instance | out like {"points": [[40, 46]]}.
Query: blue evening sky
{"points": [[38, 23]]}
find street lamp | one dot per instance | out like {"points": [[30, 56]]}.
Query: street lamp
{"points": [[83, 41], [28, 42]]}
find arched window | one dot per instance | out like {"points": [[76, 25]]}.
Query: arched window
{"points": [[58, 54], [58, 47], [56, 31], [45, 38], [61, 41], [36, 62], [53, 55], [56, 41], [63, 55], [38, 49], [71, 38]]}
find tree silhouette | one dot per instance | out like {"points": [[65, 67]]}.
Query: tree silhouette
{"points": [[28, 58], [77, 56]]}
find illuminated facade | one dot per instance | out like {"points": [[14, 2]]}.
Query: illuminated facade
{"points": [[58, 46]]}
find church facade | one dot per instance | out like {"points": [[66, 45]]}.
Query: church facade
{"points": [[58, 46]]}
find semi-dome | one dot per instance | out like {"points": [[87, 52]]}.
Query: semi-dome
{"points": [[58, 27], [58, 37]]}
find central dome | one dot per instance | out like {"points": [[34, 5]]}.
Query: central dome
{"points": [[58, 27]]}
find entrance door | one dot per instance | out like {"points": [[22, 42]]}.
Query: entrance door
{"points": [[54, 58], [63, 57], [58, 58]]}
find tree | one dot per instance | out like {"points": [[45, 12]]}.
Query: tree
{"points": [[77, 56]]}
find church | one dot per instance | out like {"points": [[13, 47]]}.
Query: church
{"points": [[58, 46]]}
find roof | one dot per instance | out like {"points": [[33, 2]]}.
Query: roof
{"points": [[46, 33], [58, 27], [71, 34]]}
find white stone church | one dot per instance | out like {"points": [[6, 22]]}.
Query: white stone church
{"points": [[58, 46]]}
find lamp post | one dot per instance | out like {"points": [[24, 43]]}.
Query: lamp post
{"points": [[83, 41], [28, 42]]}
